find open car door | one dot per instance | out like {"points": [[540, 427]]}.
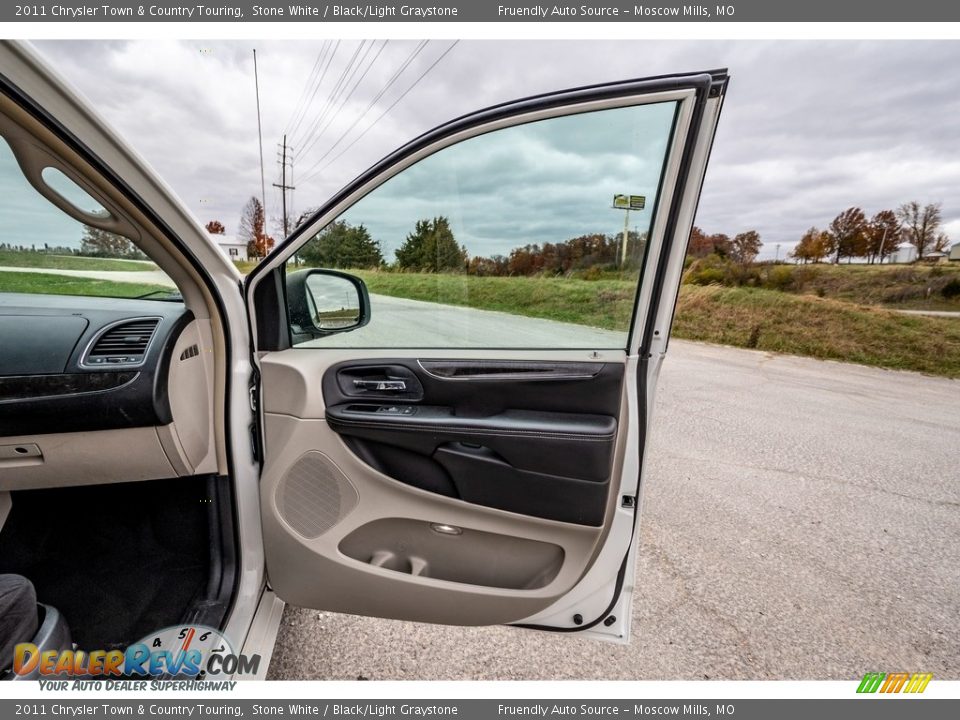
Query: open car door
{"points": [[462, 439]]}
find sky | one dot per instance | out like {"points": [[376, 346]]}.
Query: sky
{"points": [[809, 128]]}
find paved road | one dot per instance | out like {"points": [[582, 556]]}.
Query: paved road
{"points": [[801, 520], [141, 277], [397, 322], [932, 313]]}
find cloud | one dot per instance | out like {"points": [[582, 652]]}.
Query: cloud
{"points": [[809, 128]]}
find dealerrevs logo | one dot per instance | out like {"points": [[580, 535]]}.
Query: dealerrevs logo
{"points": [[191, 651]]}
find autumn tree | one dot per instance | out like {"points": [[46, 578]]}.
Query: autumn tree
{"points": [[493, 266], [814, 246], [745, 247], [921, 225], [215, 227], [342, 245], [848, 232], [431, 247], [701, 244], [253, 229], [882, 235], [102, 243], [722, 244]]}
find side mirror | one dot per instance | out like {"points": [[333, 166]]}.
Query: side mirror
{"points": [[325, 302]]}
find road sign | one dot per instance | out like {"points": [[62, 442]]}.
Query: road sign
{"points": [[629, 202]]}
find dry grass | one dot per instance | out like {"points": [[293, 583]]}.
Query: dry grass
{"points": [[819, 327]]}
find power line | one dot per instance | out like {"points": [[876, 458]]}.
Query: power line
{"points": [[334, 94], [316, 89], [344, 101], [396, 75], [380, 116], [300, 107]]}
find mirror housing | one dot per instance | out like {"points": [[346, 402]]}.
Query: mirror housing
{"points": [[325, 302]]}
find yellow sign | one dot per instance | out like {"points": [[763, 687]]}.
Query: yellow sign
{"points": [[629, 202]]}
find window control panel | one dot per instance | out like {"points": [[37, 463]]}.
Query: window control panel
{"points": [[383, 409], [395, 410]]}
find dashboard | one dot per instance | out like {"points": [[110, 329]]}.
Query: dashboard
{"points": [[101, 390], [85, 363]]}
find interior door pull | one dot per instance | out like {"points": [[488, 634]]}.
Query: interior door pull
{"points": [[381, 385]]}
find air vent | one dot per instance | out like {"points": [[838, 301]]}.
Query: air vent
{"points": [[190, 352], [123, 344]]}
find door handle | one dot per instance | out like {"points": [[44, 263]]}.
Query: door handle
{"points": [[381, 385]]}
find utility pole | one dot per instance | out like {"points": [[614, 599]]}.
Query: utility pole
{"points": [[263, 182], [627, 203], [283, 184], [626, 235], [883, 241]]}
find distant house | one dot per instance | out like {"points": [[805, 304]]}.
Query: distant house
{"points": [[231, 247], [905, 253], [954, 252]]}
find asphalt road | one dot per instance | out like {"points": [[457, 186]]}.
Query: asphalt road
{"points": [[801, 520], [402, 323], [140, 277]]}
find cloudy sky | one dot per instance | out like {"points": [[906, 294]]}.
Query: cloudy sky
{"points": [[809, 128]]}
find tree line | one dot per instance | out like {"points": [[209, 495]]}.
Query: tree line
{"points": [[850, 234], [432, 247], [742, 248]]}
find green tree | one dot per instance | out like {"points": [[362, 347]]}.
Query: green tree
{"points": [[103, 243], [431, 247], [341, 245]]}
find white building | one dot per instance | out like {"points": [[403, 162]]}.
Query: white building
{"points": [[955, 252], [905, 253], [231, 247]]}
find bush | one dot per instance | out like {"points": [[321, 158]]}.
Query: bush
{"points": [[707, 276], [779, 277], [951, 289], [592, 273], [710, 270]]}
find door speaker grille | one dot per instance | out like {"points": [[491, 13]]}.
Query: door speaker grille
{"points": [[314, 495]]}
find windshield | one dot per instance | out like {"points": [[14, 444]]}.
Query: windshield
{"points": [[44, 250]]}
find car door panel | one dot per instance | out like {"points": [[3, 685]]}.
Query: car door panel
{"points": [[417, 469], [485, 432], [361, 522]]}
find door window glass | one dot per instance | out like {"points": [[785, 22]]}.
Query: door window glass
{"points": [[46, 251], [530, 236]]}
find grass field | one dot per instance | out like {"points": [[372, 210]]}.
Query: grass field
{"points": [[600, 303], [916, 286], [819, 327], [798, 324], [13, 258], [27, 282], [903, 286]]}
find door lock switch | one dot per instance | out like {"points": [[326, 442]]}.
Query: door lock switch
{"points": [[395, 410]]}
